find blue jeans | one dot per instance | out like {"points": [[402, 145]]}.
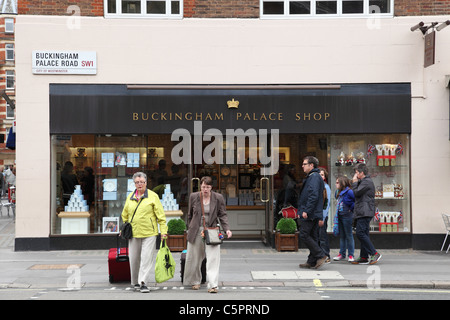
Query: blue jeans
{"points": [[346, 236], [362, 232]]}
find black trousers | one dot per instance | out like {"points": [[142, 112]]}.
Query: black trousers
{"points": [[309, 234]]}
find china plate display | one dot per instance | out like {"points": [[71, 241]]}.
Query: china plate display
{"points": [[110, 185]]}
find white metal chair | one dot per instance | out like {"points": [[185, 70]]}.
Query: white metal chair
{"points": [[446, 218]]}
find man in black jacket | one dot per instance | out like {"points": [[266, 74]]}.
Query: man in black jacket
{"points": [[364, 211], [310, 211]]}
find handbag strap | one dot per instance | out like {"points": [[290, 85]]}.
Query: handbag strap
{"points": [[135, 210]]}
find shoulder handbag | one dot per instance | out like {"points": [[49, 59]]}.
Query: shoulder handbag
{"points": [[126, 231], [212, 235]]}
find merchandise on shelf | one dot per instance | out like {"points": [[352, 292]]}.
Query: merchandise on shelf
{"points": [[77, 202], [386, 155], [168, 201]]}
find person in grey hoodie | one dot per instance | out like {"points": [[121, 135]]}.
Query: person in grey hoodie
{"points": [[364, 211]]}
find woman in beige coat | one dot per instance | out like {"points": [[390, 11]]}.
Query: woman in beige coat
{"points": [[214, 210]]}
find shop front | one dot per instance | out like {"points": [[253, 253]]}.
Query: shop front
{"points": [[250, 139]]}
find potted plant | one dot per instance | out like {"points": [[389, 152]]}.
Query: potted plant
{"points": [[176, 238], [286, 236]]}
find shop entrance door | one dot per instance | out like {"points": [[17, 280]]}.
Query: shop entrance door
{"points": [[247, 191]]}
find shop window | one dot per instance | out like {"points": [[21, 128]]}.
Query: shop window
{"points": [[143, 8], [103, 166], [318, 8], [387, 158]]}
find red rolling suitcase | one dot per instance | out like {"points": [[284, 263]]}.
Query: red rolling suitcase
{"points": [[118, 264]]}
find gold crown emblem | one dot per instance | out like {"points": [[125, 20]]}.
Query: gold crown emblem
{"points": [[232, 104]]}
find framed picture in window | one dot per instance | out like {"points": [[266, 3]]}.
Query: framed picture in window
{"points": [[110, 225]]}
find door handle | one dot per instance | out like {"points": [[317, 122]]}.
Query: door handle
{"points": [[261, 189], [192, 183]]}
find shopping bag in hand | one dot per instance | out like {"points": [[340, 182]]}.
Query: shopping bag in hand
{"points": [[165, 264]]}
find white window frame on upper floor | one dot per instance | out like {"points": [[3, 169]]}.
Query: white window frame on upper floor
{"points": [[10, 78], [143, 13], [9, 51], [9, 25], [368, 11]]}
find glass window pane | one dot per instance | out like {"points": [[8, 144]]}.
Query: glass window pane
{"points": [[131, 6], [379, 6], [156, 7], [112, 6], [299, 7], [272, 7], [9, 112], [326, 7], [9, 51], [175, 7], [352, 7]]}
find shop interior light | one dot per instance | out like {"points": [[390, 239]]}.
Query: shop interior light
{"points": [[443, 25]]}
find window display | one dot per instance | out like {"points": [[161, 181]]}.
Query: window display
{"points": [[387, 157], [93, 175]]}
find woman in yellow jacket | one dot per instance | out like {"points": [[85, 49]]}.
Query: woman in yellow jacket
{"points": [[148, 212]]}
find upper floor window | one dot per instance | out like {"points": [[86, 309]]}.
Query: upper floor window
{"points": [[9, 79], [9, 25], [319, 8], [9, 51], [144, 8]]}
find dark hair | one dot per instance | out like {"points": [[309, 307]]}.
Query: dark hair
{"points": [[344, 182], [312, 160], [207, 180], [325, 172], [361, 167]]}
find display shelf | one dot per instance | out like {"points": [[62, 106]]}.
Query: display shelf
{"points": [[387, 160]]}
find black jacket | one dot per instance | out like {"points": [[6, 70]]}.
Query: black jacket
{"points": [[364, 191], [311, 196]]}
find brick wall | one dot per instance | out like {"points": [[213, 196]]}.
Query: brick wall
{"points": [[5, 65], [421, 7], [59, 7], [221, 9], [216, 8]]}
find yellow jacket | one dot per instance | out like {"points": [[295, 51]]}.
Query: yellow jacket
{"points": [[149, 214]]}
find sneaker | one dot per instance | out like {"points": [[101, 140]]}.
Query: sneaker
{"points": [[144, 288], [339, 257], [136, 287], [361, 260], [351, 259], [375, 258], [320, 262], [328, 260]]}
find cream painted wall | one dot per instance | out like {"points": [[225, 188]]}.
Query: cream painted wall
{"points": [[236, 51]]}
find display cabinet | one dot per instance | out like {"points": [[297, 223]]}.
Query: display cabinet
{"points": [[387, 158]]}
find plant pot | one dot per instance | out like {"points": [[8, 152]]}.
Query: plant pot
{"points": [[177, 243], [286, 242]]}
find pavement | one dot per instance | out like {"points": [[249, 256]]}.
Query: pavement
{"points": [[243, 264]]}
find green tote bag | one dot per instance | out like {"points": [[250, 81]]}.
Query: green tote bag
{"points": [[165, 264]]}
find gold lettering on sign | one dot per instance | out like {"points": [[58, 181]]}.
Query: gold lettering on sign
{"points": [[214, 116]]}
